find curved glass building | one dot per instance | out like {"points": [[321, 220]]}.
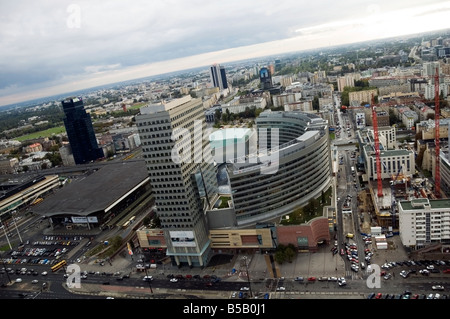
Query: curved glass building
{"points": [[292, 166]]}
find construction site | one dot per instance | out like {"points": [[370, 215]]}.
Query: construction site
{"points": [[378, 202]]}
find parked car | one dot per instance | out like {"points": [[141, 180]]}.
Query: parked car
{"points": [[437, 287]]}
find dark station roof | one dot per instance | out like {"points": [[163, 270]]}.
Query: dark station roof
{"points": [[96, 192]]}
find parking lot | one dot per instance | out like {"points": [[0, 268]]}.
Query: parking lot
{"points": [[46, 251]]}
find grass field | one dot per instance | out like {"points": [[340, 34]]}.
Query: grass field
{"points": [[46, 133], [137, 106]]}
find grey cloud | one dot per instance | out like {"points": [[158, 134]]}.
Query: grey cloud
{"points": [[41, 41]]}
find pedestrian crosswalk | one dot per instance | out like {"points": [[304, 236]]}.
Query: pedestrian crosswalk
{"points": [[350, 274]]}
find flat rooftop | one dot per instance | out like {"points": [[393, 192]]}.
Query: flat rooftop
{"points": [[96, 192], [418, 204], [229, 136]]}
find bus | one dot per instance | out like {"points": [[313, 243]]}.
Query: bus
{"points": [[58, 266], [37, 201], [128, 222]]}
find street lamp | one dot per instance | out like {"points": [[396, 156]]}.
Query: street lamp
{"points": [[4, 267], [6, 234], [149, 281], [15, 224], [248, 276]]}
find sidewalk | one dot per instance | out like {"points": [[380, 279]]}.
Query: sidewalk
{"points": [[321, 263]]}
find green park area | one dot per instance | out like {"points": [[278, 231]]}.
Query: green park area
{"points": [[46, 133], [313, 209]]}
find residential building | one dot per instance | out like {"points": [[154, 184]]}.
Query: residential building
{"points": [[359, 97], [424, 222]]}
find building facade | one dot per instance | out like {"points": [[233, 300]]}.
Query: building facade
{"points": [[424, 222], [80, 132], [296, 167], [265, 78], [218, 77], [182, 175]]}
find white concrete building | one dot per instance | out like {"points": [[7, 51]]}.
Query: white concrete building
{"points": [[423, 222]]}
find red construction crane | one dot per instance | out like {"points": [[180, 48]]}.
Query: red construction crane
{"points": [[437, 173], [436, 120], [377, 149]]}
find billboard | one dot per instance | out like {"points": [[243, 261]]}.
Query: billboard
{"points": [[84, 220], [182, 238], [360, 120]]}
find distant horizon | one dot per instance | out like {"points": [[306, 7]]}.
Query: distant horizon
{"points": [[79, 92], [55, 47], [53, 97], [66, 94]]}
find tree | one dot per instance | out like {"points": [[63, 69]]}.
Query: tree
{"points": [[315, 103], [285, 253], [280, 256], [290, 252], [217, 116], [54, 158]]}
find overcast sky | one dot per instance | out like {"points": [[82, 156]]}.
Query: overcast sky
{"points": [[57, 46]]}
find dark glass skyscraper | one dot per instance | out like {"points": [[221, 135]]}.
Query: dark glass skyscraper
{"points": [[80, 132], [266, 78]]}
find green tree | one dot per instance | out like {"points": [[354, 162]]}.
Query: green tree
{"points": [[289, 252], [54, 158], [217, 116], [280, 256], [315, 103]]}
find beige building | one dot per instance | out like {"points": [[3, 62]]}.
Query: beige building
{"points": [[427, 129], [358, 97], [8, 165], [346, 80], [35, 147]]}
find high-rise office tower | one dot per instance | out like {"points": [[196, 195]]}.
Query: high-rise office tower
{"points": [[265, 78], [80, 132], [182, 175], [218, 77]]}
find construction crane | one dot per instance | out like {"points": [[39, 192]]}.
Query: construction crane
{"points": [[393, 195], [437, 173], [377, 149]]}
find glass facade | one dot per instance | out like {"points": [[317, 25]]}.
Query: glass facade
{"points": [[80, 132], [303, 168]]}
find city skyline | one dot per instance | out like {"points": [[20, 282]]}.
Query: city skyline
{"points": [[56, 47]]}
